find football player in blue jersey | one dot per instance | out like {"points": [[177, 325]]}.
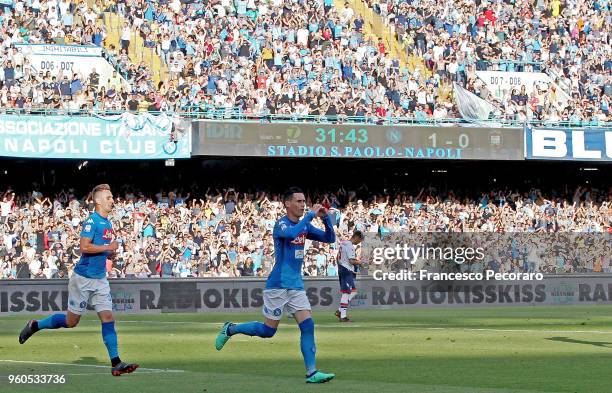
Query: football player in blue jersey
{"points": [[88, 284], [285, 288]]}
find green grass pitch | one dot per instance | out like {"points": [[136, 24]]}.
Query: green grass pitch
{"points": [[510, 349]]}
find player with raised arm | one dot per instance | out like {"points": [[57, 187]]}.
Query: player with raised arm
{"points": [[285, 288], [88, 284], [348, 266]]}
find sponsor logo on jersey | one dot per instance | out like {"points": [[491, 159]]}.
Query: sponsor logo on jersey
{"points": [[88, 228], [108, 234], [300, 240]]}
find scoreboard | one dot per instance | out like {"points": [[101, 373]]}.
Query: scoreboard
{"points": [[356, 141]]}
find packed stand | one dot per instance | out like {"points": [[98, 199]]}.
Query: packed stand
{"points": [[229, 233], [70, 23], [569, 40], [260, 58], [243, 57], [253, 59]]}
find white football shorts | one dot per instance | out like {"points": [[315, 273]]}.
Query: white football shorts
{"points": [[276, 301], [93, 291]]}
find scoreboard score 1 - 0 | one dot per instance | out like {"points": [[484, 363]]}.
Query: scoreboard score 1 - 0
{"points": [[357, 141]]}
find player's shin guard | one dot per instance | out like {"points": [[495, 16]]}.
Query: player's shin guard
{"points": [[252, 329], [307, 345], [109, 336], [54, 321]]}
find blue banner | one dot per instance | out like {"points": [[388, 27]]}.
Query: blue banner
{"points": [[568, 144], [122, 137]]}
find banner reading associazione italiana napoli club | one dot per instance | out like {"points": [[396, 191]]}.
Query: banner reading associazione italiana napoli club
{"points": [[208, 295], [125, 136]]}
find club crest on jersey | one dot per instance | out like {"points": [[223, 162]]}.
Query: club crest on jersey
{"points": [[108, 234], [300, 240]]}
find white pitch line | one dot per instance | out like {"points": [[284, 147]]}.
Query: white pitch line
{"points": [[542, 331], [477, 329], [79, 374], [119, 322], [86, 365], [416, 326], [359, 325], [449, 327], [220, 324]]}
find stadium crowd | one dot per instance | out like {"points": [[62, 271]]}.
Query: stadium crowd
{"points": [[22, 86], [570, 40], [229, 233], [311, 58]]}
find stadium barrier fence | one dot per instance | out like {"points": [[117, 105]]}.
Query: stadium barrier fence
{"points": [[235, 295], [179, 135], [238, 115]]}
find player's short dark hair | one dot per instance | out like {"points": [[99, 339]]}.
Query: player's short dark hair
{"points": [[287, 195], [358, 234]]}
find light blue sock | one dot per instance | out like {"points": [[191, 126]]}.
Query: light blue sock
{"points": [[252, 329], [307, 345], [109, 336], [53, 321]]}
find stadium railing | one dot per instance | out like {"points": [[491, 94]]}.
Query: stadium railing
{"points": [[114, 63], [512, 65], [236, 114]]}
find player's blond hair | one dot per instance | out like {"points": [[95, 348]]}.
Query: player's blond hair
{"points": [[97, 189]]}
